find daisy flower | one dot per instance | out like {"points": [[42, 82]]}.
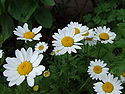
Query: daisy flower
{"points": [[41, 47], [1, 53], [104, 35], [89, 38], [24, 33], [66, 41], [110, 85], [24, 65], [122, 77], [97, 69], [78, 28]]}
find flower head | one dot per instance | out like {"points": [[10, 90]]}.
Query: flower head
{"points": [[104, 35], [78, 28], [41, 47], [97, 69], [89, 37], [24, 65], [122, 77], [66, 41], [24, 33], [110, 85]]}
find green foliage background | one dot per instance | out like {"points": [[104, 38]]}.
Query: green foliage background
{"points": [[68, 72]]}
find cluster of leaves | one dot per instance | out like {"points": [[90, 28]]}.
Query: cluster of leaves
{"points": [[111, 14], [108, 13], [13, 12], [68, 72]]}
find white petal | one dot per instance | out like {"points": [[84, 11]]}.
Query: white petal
{"points": [[41, 67], [24, 53], [77, 47], [30, 81], [29, 53], [13, 77], [10, 67], [20, 80], [36, 30], [18, 33], [9, 73], [11, 83], [37, 62], [37, 37], [1, 53], [32, 74], [37, 71], [34, 57], [78, 37], [13, 61], [25, 27], [19, 55], [20, 29]]}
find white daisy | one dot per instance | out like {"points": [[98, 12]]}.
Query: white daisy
{"points": [[24, 65], [104, 35], [110, 85], [97, 69], [25, 34], [122, 77], [1, 53], [66, 41], [77, 27], [89, 38], [41, 47]]}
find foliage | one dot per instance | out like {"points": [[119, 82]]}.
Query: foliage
{"points": [[14, 12], [111, 14], [68, 72]]}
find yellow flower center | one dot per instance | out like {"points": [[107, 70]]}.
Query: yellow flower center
{"points": [[77, 31], [123, 74], [25, 68], [67, 41], [36, 88], [41, 47], [97, 69], [104, 36], [108, 87], [89, 39], [86, 34], [29, 35], [46, 74]]}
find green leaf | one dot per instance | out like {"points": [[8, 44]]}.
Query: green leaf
{"points": [[48, 2], [121, 27], [22, 10], [119, 67], [2, 6], [44, 17], [5, 90], [7, 25], [120, 43]]}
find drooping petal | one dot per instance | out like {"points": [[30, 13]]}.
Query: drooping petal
{"points": [[30, 81]]}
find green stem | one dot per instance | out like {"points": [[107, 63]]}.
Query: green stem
{"points": [[99, 51], [88, 80], [84, 48], [87, 49]]}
